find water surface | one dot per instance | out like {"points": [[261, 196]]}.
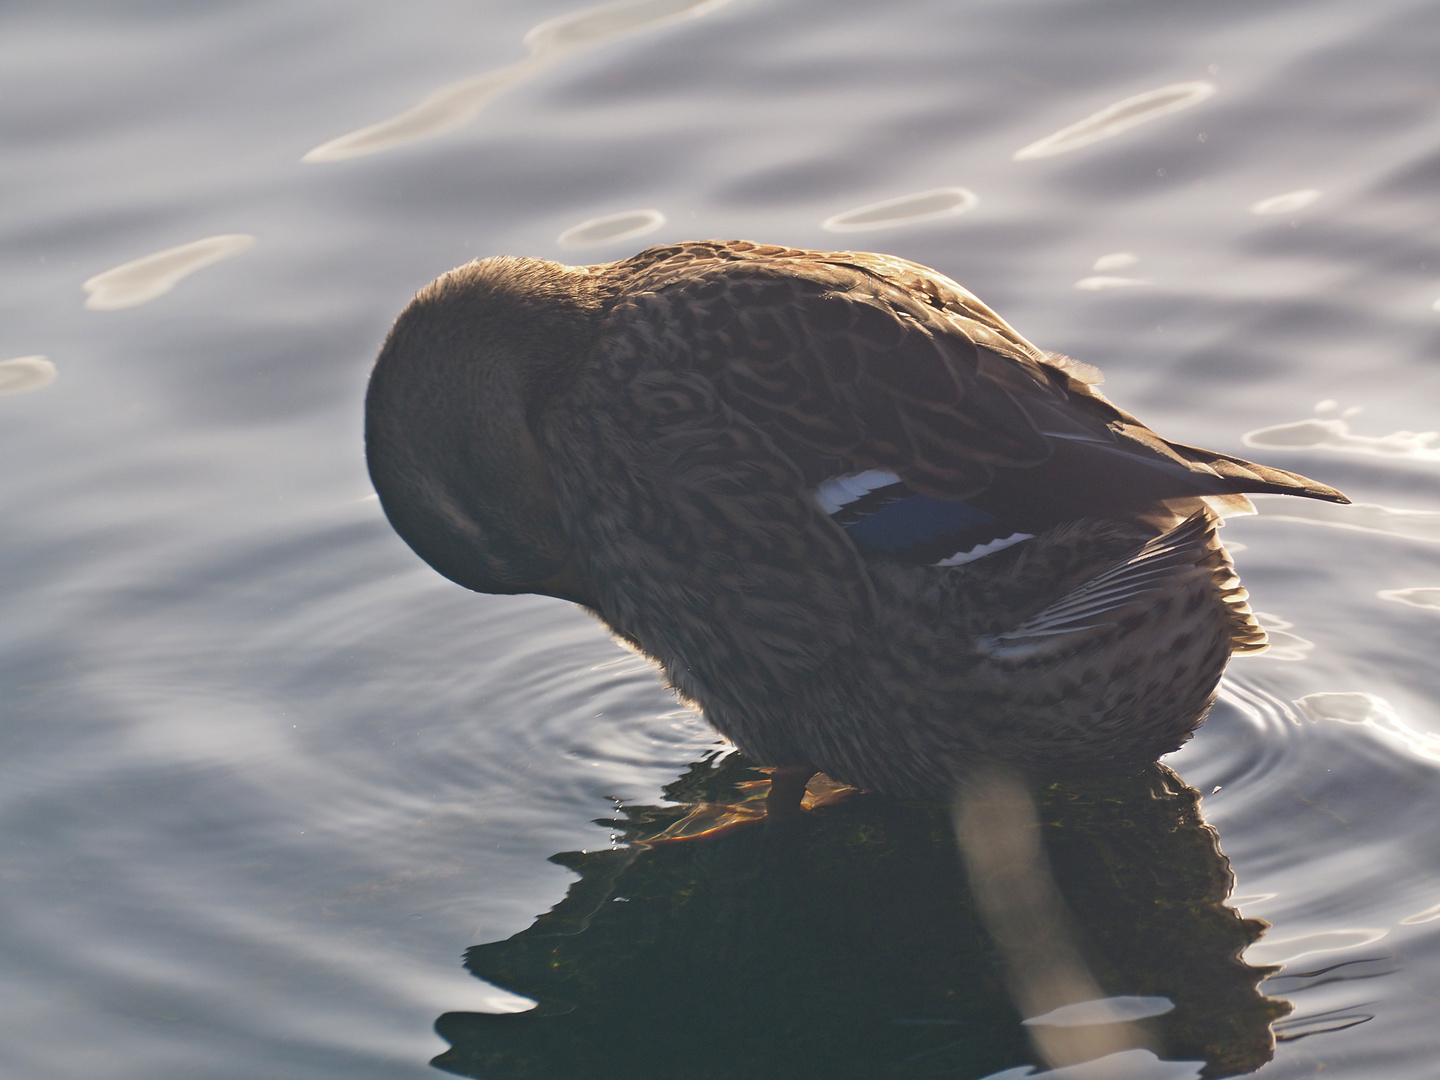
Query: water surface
{"points": [[266, 776]]}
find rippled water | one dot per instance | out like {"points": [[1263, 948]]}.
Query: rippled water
{"points": [[266, 776]]}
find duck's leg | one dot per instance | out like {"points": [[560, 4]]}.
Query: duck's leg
{"points": [[787, 788]]}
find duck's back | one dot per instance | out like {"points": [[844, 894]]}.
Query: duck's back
{"points": [[852, 361]]}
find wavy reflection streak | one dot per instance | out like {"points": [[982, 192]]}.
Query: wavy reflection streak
{"points": [[458, 103], [1117, 118], [603, 230], [904, 210], [1336, 435], [1099, 282], [1116, 260], [26, 373], [1362, 517], [144, 279], [1426, 598], [1287, 203], [1374, 712]]}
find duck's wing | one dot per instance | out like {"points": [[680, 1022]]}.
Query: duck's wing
{"points": [[1187, 559], [987, 329], [855, 362]]}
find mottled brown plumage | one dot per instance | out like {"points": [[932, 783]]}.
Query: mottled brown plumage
{"points": [[653, 438]]}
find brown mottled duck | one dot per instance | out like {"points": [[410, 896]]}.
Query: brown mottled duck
{"points": [[854, 516]]}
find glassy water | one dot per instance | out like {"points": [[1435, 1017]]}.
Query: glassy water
{"points": [[266, 776]]}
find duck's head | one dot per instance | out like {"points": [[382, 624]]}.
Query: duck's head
{"points": [[464, 372]]}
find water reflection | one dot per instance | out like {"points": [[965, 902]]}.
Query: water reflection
{"points": [[1119, 117], [1428, 598], [1022, 911], [1116, 260], [1288, 950], [1370, 711], [1125, 1065], [142, 280], [1112, 1010], [846, 943], [1363, 517], [1335, 434], [1287, 203], [25, 373], [1430, 914], [602, 230], [1283, 644], [1097, 282], [456, 104], [921, 206], [1103, 276]]}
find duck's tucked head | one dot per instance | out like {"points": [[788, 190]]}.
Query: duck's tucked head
{"points": [[466, 366]]}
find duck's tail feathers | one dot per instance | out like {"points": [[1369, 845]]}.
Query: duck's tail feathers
{"points": [[1246, 634], [1198, 532], [1249, 476]]}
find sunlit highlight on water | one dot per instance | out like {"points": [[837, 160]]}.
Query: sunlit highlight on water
{"points": [[1365, 517], [1283, 644], [1117, 260], [1125, 1065], [603, 230], [1288, 950], [142, 280], [1111, 1010], [921, 206], [1287, 203], [25, 373], [1117, 118], [1336, 435], [1428, 599], [1430, 914], [1373, 712], [457, 104], [1101, 282]]}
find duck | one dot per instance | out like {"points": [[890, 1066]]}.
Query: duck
{"points": [[851, 514]]}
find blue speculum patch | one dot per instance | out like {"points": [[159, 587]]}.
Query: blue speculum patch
{"points": [[919, 519]]}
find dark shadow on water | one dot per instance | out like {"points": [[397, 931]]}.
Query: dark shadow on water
{"points": [[846, 944]]}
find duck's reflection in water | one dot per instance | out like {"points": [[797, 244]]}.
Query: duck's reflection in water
{"points": [[847, 943]]}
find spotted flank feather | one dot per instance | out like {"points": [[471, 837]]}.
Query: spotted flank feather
{"points": [[1104, 599], [1166, 565]]}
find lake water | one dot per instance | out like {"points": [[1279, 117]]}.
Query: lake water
{"points": [[265, 776]]}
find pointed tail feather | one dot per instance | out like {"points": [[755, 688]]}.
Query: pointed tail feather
{"points": [[1249, 476]]}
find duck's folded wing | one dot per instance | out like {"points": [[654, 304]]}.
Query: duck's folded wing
{"points": [[1185, 562], [835, 360], [863, 362]]}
